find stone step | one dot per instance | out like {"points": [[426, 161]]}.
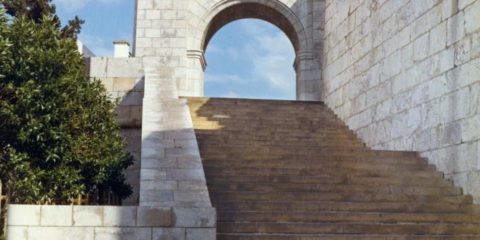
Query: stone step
{"points": [[258, 236], [302, 161], [215, 128], [267, 112], [326, 188], [334, 159], [321, 172], [319, 164], [293, 170], [273, 135], [337, 206], [229, 115], [347, 228], [241, 137], [369, 181], [271, 146], [346, 217], [336, 196], [353, 152], [319, 125], [253, 116], [298, 156], [327, 124], [338, 162], [321, 168]]}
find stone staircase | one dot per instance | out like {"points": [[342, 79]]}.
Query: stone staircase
{"points": [[292, 170]]}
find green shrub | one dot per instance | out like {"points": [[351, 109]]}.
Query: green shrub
{"points": [[58, 134]]}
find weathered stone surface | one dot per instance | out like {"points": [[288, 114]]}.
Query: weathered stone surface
{"points": [[56, 216], [168, 234], [119, 216], [87, 216], [201, 234], [24, 215], [194, 217], [124, 233], [52, 233], [154, 217], [17, 233]]}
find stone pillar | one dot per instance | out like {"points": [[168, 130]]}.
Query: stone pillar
{"points": [[196, 72], [161, 37], [308, 76], [172, 173]]}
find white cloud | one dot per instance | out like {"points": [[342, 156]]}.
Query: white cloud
{"points": [[213, 49], [223, 78], [99, 46], [273, 57], [231, 94], [71, 5], [232, 53], [252, 27]]}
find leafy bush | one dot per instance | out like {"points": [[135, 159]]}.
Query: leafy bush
{"points": [[58, 134]]}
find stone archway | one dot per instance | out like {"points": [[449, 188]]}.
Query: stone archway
{"points": [[165, 29], [274, 12]]}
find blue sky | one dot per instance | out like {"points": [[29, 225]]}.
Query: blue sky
{"points": [[246, 59]]}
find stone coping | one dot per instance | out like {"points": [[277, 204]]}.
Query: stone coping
{"points": [[109, 216]]}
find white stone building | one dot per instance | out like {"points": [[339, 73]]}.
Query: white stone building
{"points": [[403, 74]]}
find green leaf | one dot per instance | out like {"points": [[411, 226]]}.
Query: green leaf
{"points": [[58, 134]]}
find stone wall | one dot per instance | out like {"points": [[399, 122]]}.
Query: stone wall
{"points": [[405, 75], [123, 79], [30, 222]]}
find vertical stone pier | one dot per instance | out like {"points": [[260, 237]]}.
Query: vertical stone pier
{"points": [[171, 174]]}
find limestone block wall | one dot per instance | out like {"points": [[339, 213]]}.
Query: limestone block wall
{"points": [[123, 79], [33, 222], [405, 75]]}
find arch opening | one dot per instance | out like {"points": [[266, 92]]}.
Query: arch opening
{"points": [[286, 18], [250, 58], [255, 11]]}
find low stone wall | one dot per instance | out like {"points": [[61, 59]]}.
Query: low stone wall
{"points": [[34, 222]]}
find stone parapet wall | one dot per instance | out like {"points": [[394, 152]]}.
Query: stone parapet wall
{"points": [[405, 75], [172, 173], [123, 80], [33, 222]]}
